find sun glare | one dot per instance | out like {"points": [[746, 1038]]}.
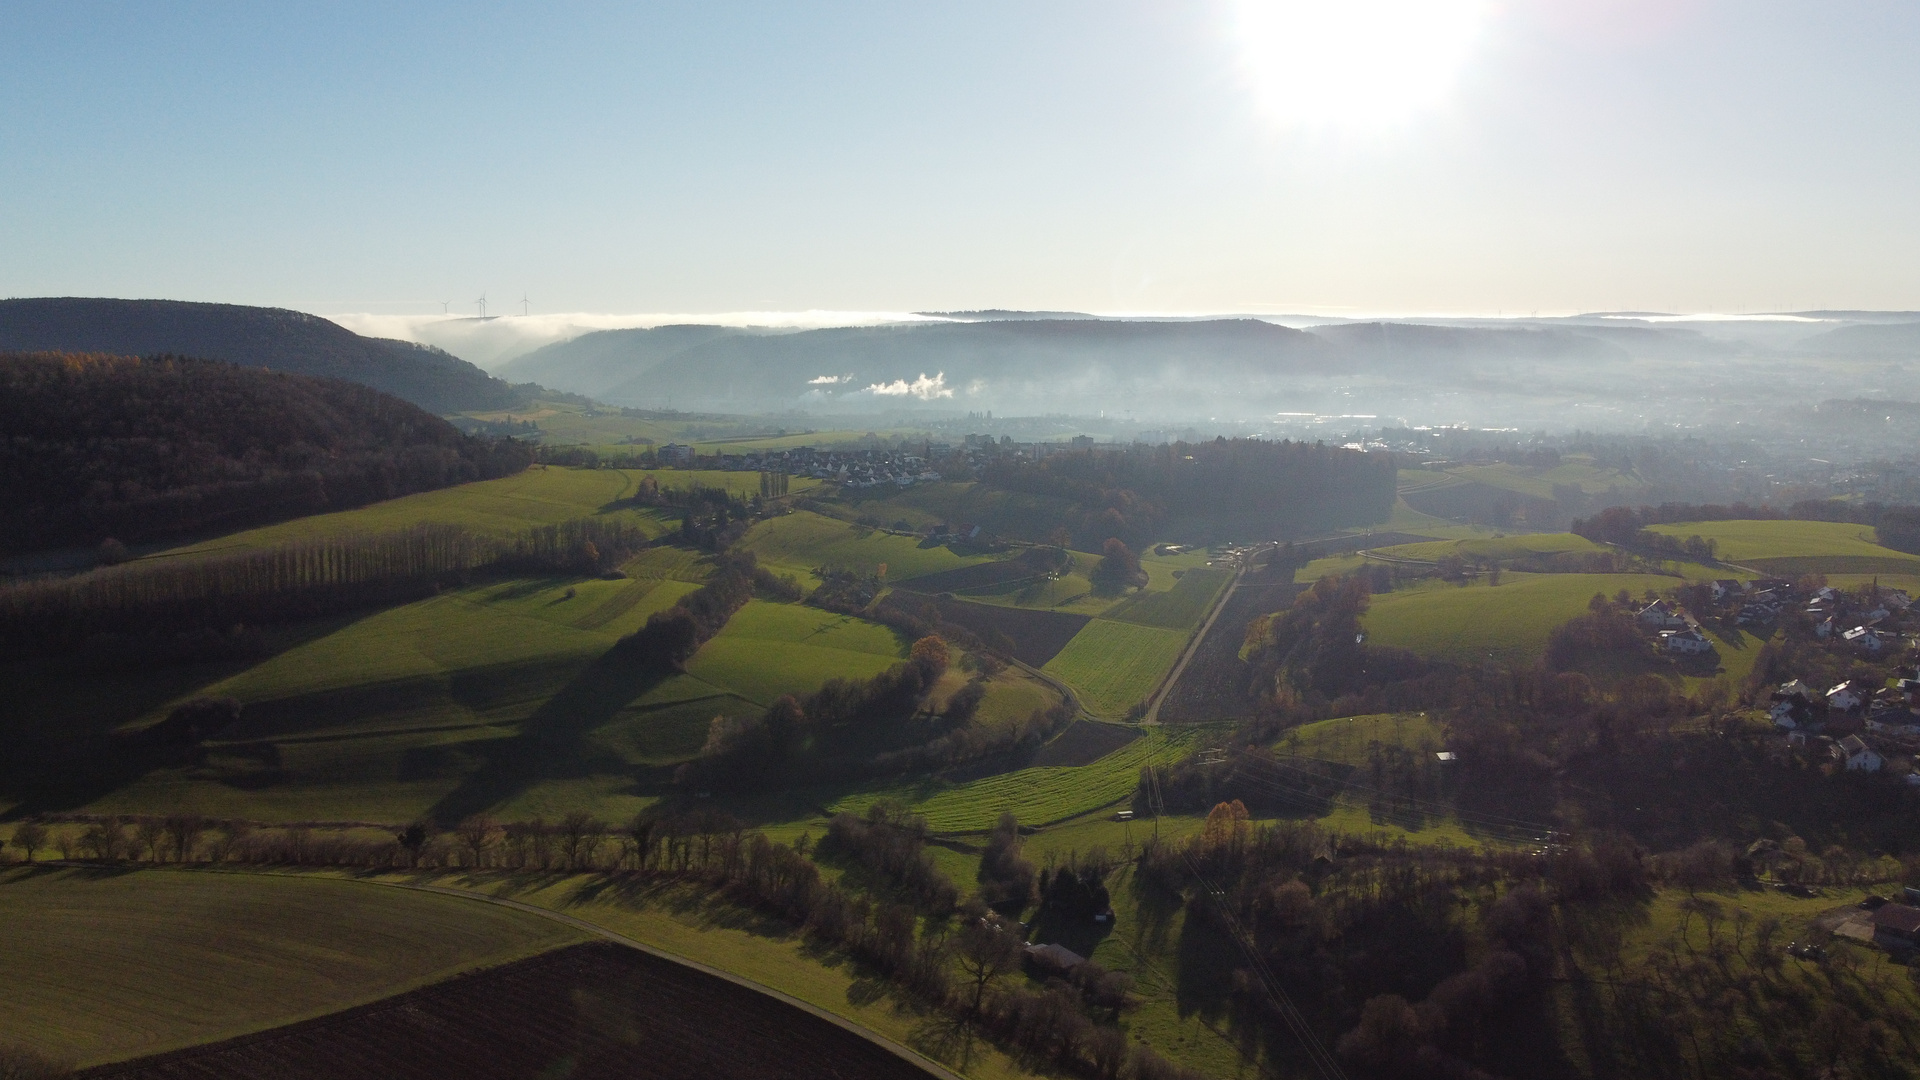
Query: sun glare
{"points": [[1353, 63]]}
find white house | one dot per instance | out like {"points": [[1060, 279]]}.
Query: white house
{"points": [[1864, 637], [1690, 640], [1858, 756], [1846, 697], [1725, 587], [1790, 713], [1662, 615]]}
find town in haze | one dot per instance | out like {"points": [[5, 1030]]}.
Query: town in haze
{"points": [[1367, 540]]}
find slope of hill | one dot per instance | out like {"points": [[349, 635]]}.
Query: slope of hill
{"points": [[253, 337], [1079, 364], [104, 446]]}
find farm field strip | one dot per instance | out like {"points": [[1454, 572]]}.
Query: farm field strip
{"points": [[1038, 795], [1748, 541], [103, 966], [1114, 665], [804, 540], [1509, 622]]}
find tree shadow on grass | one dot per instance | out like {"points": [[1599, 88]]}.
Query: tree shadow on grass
{"points": [[552, 743]]}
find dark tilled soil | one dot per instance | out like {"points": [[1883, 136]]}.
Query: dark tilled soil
{"points": [[1215, 684], [1037, 636], [977, 576], [1084, 743], [585, 1012]]}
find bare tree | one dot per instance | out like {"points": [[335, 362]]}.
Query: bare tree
{"points": [[148, 834], [477, 835], [580, 837], [185, 830], [30, 836], [986, 954]]}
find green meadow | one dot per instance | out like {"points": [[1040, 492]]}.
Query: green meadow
{"points": [[1508, 622], [1492, 547], [804, 541], [1798, 547], [1116, 665], [101, 965], [1038, 795]]}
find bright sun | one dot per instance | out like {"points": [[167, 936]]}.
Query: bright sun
{"points": [[1353, 63]]}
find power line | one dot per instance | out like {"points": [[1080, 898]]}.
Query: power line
{"points": [[1296, 1022]]}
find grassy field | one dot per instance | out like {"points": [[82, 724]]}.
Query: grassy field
{"points": [[1493, 547], [1115, 665], [106, 965], [1037, 795], [1180, 607], [1799, 547], [772, 649], [803, 541], [384, 717], [541, 495], [1346, 739], [1508, 622]]}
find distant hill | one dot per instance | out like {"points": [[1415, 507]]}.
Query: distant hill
{"points": [[102, 446], [1868, 341], [1041, 365], [253, 337], [1028, 363]]}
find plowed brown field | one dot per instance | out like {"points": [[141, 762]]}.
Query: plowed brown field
{"points": [[584, 1012]]}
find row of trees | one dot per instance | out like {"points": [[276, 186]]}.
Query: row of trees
{"points": [[295, 581], [953, 957], [670, 638]]}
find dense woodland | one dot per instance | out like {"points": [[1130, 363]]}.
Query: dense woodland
{"points": [[102, 447], [1139, 492]]}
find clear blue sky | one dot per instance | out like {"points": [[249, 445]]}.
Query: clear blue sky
{"points": [[1196, 156]]}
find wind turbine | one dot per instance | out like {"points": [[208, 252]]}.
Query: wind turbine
{"points": [[525, 308], [445, 305], [482, 305]]}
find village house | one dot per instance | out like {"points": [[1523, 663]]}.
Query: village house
{"points": [[1690, 640], [1865, 638], [1846, 697], [1662, 615], [1854, 752], [1900, 721], [1726, 587]]}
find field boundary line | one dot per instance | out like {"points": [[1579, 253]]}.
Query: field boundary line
{"points": [[1172, 677], [899, 1050]]}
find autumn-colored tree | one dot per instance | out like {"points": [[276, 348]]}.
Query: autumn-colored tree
{"points": [[1226, 826], [932, 655]]}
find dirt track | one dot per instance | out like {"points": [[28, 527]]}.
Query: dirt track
{"points": [[584, 1012]]}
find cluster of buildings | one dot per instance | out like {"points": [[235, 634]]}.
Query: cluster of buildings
{"points": [[1675, 630], [1858, 726], [873, 466]]}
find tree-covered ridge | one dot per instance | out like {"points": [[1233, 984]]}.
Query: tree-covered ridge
{"points": [[251, 337], [1134, 492], [99, 447]]}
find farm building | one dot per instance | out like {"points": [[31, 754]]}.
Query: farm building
{"points": [[1054, 958], [1896, 926]]}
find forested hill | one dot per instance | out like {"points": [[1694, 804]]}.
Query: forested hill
{"points": [[252, 336], [95, 447]]}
